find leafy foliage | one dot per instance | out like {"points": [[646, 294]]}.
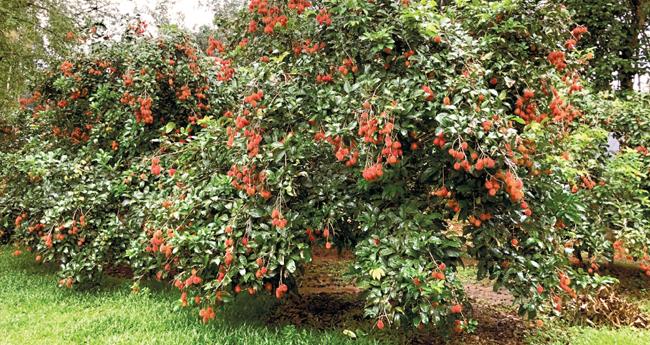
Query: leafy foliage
{"points": [[219, 170]]}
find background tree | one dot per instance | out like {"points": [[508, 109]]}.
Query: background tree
{"points": [[34, 34], [619, 34]]}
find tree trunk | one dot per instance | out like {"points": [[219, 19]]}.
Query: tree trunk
{"points": [[632, 52]]}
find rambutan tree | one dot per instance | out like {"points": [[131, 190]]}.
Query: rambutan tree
{"points": [[339, 124]]}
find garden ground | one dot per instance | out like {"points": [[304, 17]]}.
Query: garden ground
{"points": [[35, 311]]}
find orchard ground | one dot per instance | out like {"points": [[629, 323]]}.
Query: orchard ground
{"points": [[35, 311]]}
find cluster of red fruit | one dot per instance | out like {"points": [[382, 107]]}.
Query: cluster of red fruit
{"points": [[214, 44], [271, 16], [299, 5], [440, 272], [454, 205], [323, 17], [261, 271], [620, 252], [341, 150], [67, 282], [155, 166], [439, 140], [514, 186], [253, 138], [348, 66], [157, 243], [253, 144], [558, 59], [587, 182], [207, 314], [24, 102], [456, 309], [307, 47], [144, 114], [577, 33], [561, 111], [643, 150], [281, 290], [127, 78], [573, 83], [226, 71], [407, 55], [253, 98], [325, 233], [278, 219], [392, 150], [66, 68], [526, 108], [428, 92], [492, 185], [139, 27], [442, 192], [565, 284], [324, 78], [373, 172], [368, 125], [127, 98], [193, 279], [246, 179], [184, 93], [478, 221], [78, 136]]}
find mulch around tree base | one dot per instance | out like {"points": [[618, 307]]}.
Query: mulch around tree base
{"points": [[327, 301]]}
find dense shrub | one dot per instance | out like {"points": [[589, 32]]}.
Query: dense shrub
{"points": [[364, 124], [97, 115]]}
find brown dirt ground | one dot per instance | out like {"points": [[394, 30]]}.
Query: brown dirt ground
{"points": [[328, 301]]}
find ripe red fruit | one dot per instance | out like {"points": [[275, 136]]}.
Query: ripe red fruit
{"points": [[155, 170], [281, 290], [228, 259], [456, 309], [265, 194], [380, 324]]}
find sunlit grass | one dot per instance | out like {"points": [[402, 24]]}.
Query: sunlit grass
{"points": [[35, 311]]}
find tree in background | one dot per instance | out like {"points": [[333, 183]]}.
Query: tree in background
{"points": [[33, 34], [619, 34]]}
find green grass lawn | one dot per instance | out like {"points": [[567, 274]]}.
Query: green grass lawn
{"points": [[35, 311]]}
